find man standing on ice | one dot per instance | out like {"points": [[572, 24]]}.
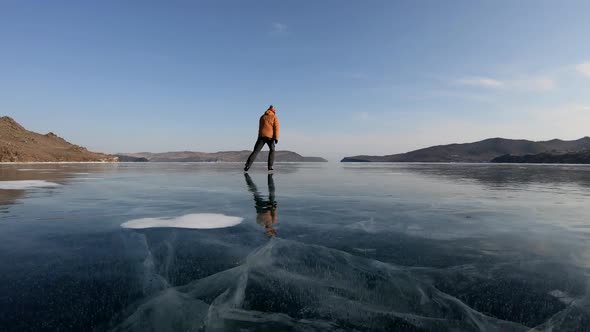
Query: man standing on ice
{"points": [[268, 133]]}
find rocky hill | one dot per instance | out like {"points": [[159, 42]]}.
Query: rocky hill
{"points": [[482, 151], [224, 156], [20, 145], [582, 157]]}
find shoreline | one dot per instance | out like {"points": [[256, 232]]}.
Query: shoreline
{"points": [[57, 162], [151, 162]]}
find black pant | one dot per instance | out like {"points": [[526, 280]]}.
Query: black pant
{"points": [[258, 146]]}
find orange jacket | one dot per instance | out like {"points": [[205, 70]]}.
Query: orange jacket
{"points": [[269, 125]]}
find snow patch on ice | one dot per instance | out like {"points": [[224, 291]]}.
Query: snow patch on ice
{"points": [[26, 184], [193, 220]]}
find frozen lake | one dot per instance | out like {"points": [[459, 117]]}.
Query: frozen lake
{"points": [[313, 247]]}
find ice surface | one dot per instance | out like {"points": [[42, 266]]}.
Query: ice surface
{"points": [[574, 318], [287, 285], [562, 296], [193, 220], [441, 248], [26, 184]]}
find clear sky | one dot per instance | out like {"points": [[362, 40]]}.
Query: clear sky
{"points": [[346, 77]]}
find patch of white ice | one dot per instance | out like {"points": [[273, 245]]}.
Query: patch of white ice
{"points": [[194, 221], [561, 296], [26, 184]]}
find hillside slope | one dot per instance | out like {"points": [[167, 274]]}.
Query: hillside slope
{"points": [[582, 157], [20, 145]]}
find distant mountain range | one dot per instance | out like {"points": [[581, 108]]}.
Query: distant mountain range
{"points": [[582, 157], [20, 145], [478, 152], [224, 156]]}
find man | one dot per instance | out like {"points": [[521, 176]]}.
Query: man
{"points": [[268, 133]]}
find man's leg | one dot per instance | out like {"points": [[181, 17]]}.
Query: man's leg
{"points": [[257, 147], [271, 153]]}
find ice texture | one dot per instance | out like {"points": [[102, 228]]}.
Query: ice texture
{"points": [[287, 285]]}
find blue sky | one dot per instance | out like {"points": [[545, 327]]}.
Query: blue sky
{"points": [[347, 77]]}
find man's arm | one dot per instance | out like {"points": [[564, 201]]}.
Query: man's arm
{"points": [[277, 129]]}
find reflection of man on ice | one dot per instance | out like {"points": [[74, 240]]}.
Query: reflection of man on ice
{"points": [[266, 210]]}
